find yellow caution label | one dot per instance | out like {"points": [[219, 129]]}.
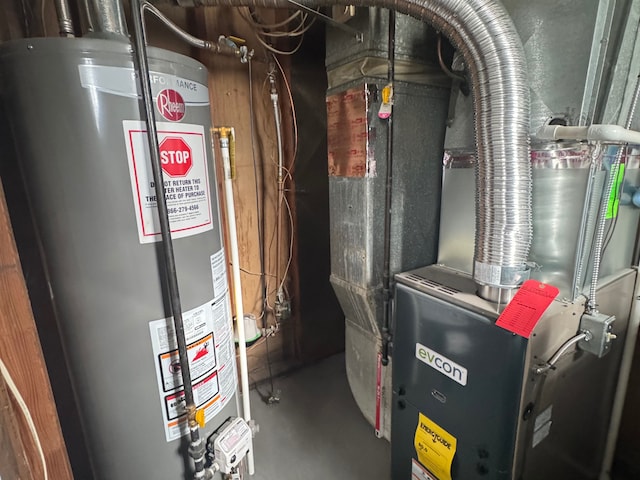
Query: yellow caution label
{"points": [[435, 447]]}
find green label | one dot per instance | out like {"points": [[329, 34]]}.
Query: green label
{"points": [[614, 194]]}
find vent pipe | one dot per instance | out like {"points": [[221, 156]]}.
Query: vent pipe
{"points": [[107, 18], [484, 34]]}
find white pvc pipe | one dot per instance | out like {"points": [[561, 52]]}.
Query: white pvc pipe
{"points": [[237, 289], [623, 382], [558, 132], [594, 133], [613, 133]]}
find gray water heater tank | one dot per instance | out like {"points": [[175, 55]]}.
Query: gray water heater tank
{"points": [[75, 114]]}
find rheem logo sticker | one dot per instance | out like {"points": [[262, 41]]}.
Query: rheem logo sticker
{"points": [[442, 364], [171, 105]]}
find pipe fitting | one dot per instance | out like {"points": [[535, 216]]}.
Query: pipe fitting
{"points": [[65, 23], [197, 449]]}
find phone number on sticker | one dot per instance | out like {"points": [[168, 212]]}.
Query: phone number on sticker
{"points": [[184, 209]]}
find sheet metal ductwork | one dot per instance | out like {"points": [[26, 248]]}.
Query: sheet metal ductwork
{"points": [[484, 34]]}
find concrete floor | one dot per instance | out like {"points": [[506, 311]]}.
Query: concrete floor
{"points": [[316, 432]]}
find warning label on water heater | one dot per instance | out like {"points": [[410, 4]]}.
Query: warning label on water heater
{"points": [[212, 363], [183, 157]]}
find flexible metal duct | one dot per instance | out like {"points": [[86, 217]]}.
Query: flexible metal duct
{"points": [[483, 32]]}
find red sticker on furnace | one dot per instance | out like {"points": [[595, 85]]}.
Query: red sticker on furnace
{"points": [[526, 307], [171, 105]]}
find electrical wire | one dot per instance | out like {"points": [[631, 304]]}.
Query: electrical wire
{"points": [[260, 232], [280, 52], [286, 270], [266, 31], [248, 272], [287, 174], [27, 415], [249, 19], [286, 177], [605, 196], [266, 125], [259, 213], [301, 29], [610, 232], [279, 33], [614, 222], [600, 233]]}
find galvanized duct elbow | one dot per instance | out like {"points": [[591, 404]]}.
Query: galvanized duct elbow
{"points": [[483, 32]]}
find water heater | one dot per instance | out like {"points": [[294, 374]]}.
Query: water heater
{"points": [[75, 112]]}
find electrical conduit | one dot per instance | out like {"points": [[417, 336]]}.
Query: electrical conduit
{"points": [[592, 304]]}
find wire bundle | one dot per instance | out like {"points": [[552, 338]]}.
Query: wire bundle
{"points": [[294, 26]]}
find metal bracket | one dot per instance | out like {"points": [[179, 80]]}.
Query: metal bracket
{"points": [[359, 36]]}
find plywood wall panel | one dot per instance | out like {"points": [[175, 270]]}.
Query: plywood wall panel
{"points": [[230, 103]]}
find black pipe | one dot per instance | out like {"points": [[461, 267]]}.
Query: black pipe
{"points": [[386, 269], [140, 54]]}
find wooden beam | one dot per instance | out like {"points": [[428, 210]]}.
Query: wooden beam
{"points": [[21, 353]]}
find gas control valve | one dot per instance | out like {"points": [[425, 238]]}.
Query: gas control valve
{"points": [[230, 444]]}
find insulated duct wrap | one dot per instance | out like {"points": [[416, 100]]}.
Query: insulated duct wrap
{"points": [[484, 34]]}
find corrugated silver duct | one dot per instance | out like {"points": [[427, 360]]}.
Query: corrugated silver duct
{"points": [[484, 34]]}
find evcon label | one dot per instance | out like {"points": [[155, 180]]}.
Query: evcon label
{"points": [[442, 364]]}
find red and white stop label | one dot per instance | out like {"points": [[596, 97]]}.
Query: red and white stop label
{"points": [[175, 156]]}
